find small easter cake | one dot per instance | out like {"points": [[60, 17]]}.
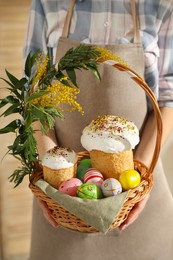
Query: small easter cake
{"points": [[59, 164], [110, 141]]}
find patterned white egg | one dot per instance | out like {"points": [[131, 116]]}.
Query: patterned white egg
{"points": [[111, 187]]}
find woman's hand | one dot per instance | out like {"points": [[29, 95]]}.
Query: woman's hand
{"points": [[134, 213], [47, 213]]}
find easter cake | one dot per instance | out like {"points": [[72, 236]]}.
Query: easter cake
{"points": [[59, 165], [110, 141]]}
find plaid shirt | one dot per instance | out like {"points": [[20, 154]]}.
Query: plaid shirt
{"points": [[110, 22]]}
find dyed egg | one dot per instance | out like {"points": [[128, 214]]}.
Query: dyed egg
{"points": [[89, 191], [70, 186], [111, 187], [92, 175], [86, 162], [130, 179], [81, 170]]}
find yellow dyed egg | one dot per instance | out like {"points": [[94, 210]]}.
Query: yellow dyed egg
{"points": [[129, 179]]}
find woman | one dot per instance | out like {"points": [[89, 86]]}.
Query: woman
{"points": [[114, 25]]}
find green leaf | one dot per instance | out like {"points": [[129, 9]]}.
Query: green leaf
{"points": [[30, 61], [12, 78], [35, 95], [9, 99], [17, 94], [35, 56], [47, 122], [10, 127], [11, 110], [21, 84], [54, 112], [29, 119], [43, 128], [9, 83], [37, 113], [19, 174], [29, 146], [94, 71], [28, 65], [50, 75], [14, 90], [50, 121], [16, 147], [59, 75], [78, 57], [46, 117], [72, 75], [21, 87]]}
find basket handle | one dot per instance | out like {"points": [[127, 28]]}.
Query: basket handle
{"points": [[134, 76]]}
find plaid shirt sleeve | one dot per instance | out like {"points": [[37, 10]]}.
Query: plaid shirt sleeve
{"points": [[36, 31], [165, 64]]}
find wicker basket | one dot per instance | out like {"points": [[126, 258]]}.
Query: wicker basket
{"points": [[64, 218]]}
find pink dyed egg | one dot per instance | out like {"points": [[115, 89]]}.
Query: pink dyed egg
{"points": [[93, 176], [70, 186], [111, 187]]}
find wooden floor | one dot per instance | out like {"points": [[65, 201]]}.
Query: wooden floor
{"points": [[16, 203]]}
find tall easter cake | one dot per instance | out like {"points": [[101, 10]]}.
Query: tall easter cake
{"points": [[110, 140]]}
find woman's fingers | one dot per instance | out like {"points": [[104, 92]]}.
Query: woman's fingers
{"points": [[134, 213], [47, 213]]}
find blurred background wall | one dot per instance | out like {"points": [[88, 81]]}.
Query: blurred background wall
{"points": [[16, 204]]}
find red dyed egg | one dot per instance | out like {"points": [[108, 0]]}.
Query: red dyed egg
{"points": [[93, 176]]}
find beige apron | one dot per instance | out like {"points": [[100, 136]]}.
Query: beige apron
{"points": [[114, 94], [151, 236]]}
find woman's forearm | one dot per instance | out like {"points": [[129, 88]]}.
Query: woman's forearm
{"points": [[167, 118], [44, 142], [144, 151]]}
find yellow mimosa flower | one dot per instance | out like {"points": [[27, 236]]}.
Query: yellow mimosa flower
{"points": [[59, 96]]}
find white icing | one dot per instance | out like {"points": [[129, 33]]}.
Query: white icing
{"points": [[110, 134], [59, 158]]}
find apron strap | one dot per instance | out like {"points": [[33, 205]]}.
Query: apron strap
{"points": [[67, 23], [137, 38]]}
